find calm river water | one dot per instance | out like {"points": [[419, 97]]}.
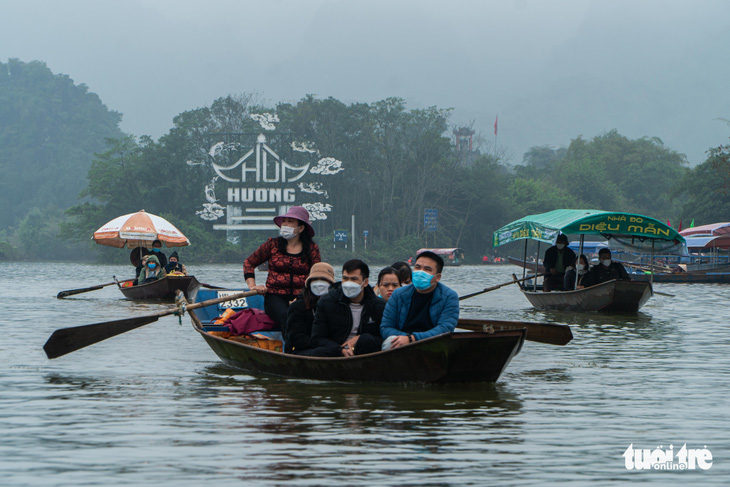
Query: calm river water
{"points": [[154, 406]]}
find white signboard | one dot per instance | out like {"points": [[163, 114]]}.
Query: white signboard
{"points": [[256, 183]]}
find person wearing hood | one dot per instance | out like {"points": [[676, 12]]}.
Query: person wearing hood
{"points": [[556, 261], [151, 270], [347, 320], [174, 265], [290, 257], [298, 338]]}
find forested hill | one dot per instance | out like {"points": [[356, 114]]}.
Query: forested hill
{"points": [[50, 129]]}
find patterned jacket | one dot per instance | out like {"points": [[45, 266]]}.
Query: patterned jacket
{"points": [[287, 272]]}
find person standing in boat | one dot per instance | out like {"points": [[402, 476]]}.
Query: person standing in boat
{"points": [[424, 309], [581, 267], [556, 261], [157, 251], [290, 257], [606, 270], [347, 321], [298, 338]]}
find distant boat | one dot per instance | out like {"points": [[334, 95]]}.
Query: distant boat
{"points": [[451, 256], [717, 275], [610, 297], [164, 288], [637, 232]]}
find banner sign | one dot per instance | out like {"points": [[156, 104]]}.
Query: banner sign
{"points": [[624, 226]]}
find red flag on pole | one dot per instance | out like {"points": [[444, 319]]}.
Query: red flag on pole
{"points": [[495, 124], [680, 225]]}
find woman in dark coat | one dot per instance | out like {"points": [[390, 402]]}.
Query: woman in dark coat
{"points": [[298, 337]]}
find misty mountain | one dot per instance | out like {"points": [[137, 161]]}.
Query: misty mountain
{"points": [[50, 129]]}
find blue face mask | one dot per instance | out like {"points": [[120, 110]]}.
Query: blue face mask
{"points": [[152, 265], [421, 280], [155, 249]]}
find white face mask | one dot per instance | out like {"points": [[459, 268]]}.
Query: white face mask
{"points": [[560, 246], [580, 267], [286, 232], [606, 262], [319, 288], [351, 289]]}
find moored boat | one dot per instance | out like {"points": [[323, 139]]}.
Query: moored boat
{"points": [[164, 288], [452, 357]]}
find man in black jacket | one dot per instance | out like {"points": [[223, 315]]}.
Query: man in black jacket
{"points": [[556, 261], [347, 320], [606, 270]]}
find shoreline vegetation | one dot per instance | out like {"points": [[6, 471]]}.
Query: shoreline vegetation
{"points": [[67, 168]]}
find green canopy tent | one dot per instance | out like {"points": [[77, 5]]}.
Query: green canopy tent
{"points": [[629, 230]]}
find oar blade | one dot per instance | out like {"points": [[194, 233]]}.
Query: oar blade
{"points": [[67, 340], [71, 292], [550, 333]]}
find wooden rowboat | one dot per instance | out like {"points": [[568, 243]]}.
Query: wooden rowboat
{"points": [[611, 296], [451, 357], [164, 288], [718, 275]]}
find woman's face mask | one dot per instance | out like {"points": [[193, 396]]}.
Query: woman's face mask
{"points": [[319, 288], [151, 265], [580, 267], [287, 232]]}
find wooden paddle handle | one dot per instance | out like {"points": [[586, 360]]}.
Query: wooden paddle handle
{"points": [[498, 286]]}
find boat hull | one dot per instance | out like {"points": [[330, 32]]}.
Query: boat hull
{"points": [[164, 288], [611, 296], [447, 358]]}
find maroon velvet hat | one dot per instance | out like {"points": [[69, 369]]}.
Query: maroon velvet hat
{"points": [[298, 213]]}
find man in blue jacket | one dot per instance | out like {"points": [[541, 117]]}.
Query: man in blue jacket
{"points": [[424, 309]]}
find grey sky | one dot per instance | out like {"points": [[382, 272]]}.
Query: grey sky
{"points": [[552, 70]]}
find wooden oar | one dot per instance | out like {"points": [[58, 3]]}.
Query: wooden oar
{"points": [[71, 292], [662, 294], [552, 333], [67, 340], [498, 286]]}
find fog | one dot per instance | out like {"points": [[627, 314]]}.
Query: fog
{"points": [[551, 70]]}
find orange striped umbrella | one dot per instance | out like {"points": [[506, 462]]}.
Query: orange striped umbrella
{"points": [[139, 230]]}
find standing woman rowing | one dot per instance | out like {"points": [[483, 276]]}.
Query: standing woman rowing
{"points": [[290, 257]]}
